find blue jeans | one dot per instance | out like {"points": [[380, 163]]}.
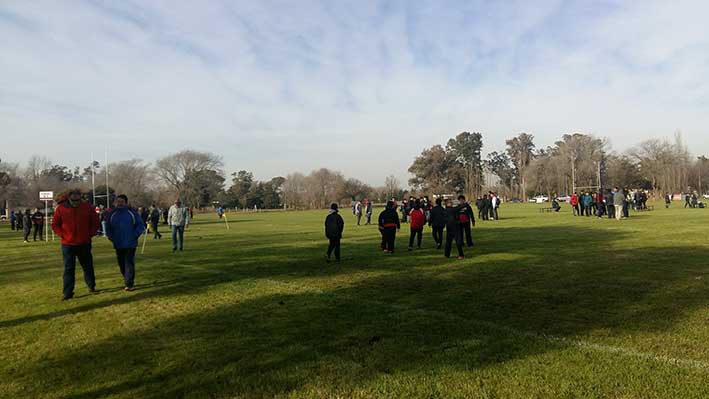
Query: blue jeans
{"points": [[126, 262], [70, 253], [178, 232]]}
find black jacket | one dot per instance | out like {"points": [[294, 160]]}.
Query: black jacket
{"points": [[465, 210], [438, 217], [389, 218], [452, 222], [334, 225]]}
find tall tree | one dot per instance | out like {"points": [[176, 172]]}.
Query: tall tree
{"points": [[174, 169], [521, 151], [466, 151]]}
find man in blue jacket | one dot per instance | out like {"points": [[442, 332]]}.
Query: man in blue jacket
{"points": [[123, 227]]}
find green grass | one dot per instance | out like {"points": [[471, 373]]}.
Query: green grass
{"points": [[546, 305]]}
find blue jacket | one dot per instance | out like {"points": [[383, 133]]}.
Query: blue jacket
{"points": [[123, 227]]}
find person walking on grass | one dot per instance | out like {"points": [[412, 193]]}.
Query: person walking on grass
{"points": [[27, 224], [437, 221], [668, 200], [466, 218], [334, 225], [389, 225], [454, 231], [178, 218], [154, 219], [123, 228], [357, 209], [610, 205], [418, 220], [13, 220], [618, 202], [76, 222]]}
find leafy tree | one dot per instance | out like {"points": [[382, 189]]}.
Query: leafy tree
{"points": [[521, 152]]}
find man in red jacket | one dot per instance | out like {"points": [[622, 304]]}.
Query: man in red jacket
{"points": [[417, 221], [76, 222]]}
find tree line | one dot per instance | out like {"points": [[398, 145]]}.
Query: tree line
{"points": [[575, 162]]}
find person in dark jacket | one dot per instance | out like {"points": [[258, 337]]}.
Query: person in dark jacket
{"points": [[20, 217], [610, 204], [13, 220], [334, 225], [38, 224], [389, 225], [466, 218], [145, 216], [165, 213], [76, 222], [123, 228], [668, 200], [368, 211], [453, 230], [154, 218], [417, 217], [437, 221], [27, 224]]}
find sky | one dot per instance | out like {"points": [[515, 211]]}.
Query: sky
{"points": [[361, 87]]}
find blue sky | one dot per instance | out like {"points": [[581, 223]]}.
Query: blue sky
{"points": [[357, 86]]}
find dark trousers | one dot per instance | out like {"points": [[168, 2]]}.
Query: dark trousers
{"points": [[12, 224], [38, 229], [126, 262], [418, 233], [465, 231], [626, 209], [492, 213], [156, 233], [438, 235], [28, 231], [334, 246], [577, 210], [178, 237], [369, 219], [359, 218], [389, 238], [611, 212], [485, 213], [70, 254], [451, 235], [495, 215]]}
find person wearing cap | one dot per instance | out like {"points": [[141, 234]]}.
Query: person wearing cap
{"points": [[76, 222], [334, 225], [124, 226], [178, 217]]}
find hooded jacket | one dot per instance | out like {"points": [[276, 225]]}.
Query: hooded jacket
{"points": [[389, 218], [124, 226], [77, 225], [334, 225], [418, 218]]}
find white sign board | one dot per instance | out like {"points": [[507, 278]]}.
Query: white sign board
{"points": [[46, 195]]}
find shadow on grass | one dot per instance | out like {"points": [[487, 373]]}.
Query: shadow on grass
{"points": [[422, 316]]}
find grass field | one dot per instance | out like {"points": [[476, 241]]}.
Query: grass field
{"points": [[545, 305]]}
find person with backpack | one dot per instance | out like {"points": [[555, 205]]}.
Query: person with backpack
{"points": [[454, 231], [334, 226], [417, 218], [27, 225], [178, 218], [389, 225], [437, 221], [76, 222], [124, 226], [466, 217]]}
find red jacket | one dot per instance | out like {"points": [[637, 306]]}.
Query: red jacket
{"points": [[77, 225], [574, 200], [418, 218]]}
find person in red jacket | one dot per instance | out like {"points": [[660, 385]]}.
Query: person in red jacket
{"points": [[75, 221], [574, 201], [417, 219]]}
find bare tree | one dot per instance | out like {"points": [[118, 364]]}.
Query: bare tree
{"points": [[175, 170]]}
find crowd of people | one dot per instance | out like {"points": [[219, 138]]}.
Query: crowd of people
{"points": [[455, 219], [613, 203], [28, 222]]}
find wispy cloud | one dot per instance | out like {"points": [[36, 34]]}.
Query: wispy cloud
{"points": [[357, 86]]}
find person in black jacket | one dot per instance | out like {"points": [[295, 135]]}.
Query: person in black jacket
{"points": [[466, 217], [453, 230], [334, 225], [38, 224], [154, 218], [437, 221], [389, 225], [27, 224]]}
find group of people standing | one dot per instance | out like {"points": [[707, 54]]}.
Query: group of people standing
{"points": [[28, 222], [455, 219], [76, 222], [613, 203], [365, 208], [488, 206]]}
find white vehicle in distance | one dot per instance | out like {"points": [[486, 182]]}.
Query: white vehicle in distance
{"points": [[540, 199]]}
